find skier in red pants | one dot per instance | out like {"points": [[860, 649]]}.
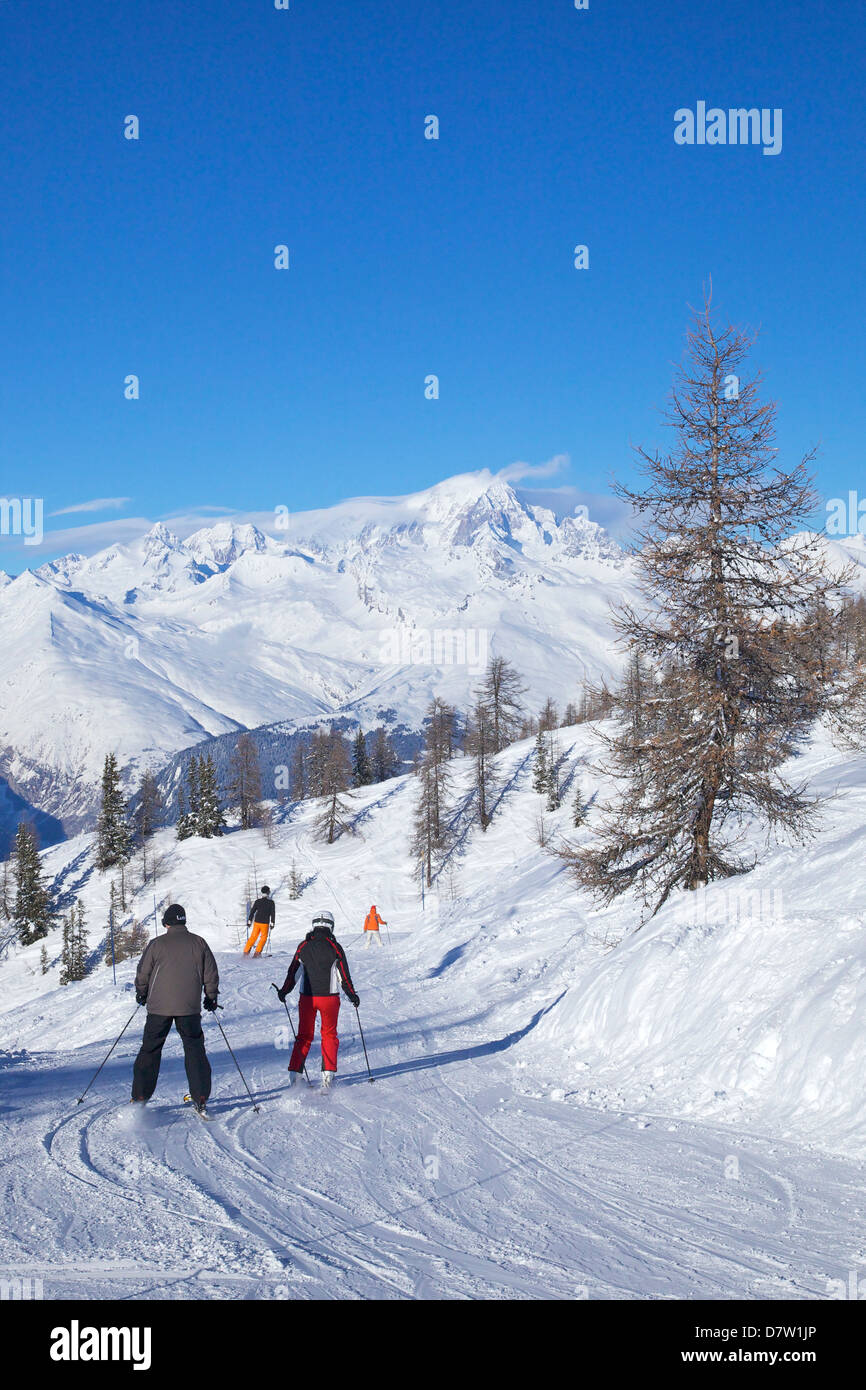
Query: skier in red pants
{"points": [[324, 971]]}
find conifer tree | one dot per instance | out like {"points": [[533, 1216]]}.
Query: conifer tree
{"points": [[193, 795], [113, 831], [539, 764], [298, 785], [549, 716], [32, 913], [296, 886], [479, 745], [362, 770], [79, 941], [210, 820], [334, 819], [729, 628], [66, 950], [184, 827], [552, 780], [149, 808], [383, 757], [430, 828], [245, 782], [502, 691], [114, 933]]}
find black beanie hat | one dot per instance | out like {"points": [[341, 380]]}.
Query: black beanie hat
{"points": [[174, 916], [266, 890]]}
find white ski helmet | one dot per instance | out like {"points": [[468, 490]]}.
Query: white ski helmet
{"points": [[324, 919]]}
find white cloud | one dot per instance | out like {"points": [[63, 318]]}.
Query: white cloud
{"points": [[97, 504], [519, 472]]}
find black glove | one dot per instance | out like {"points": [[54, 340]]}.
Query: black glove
{"points": [[140, 998], [210, 1004], [281, 993], [353, 998]]}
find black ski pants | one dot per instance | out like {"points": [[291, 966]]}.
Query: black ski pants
{"points": [[146, 1069]]}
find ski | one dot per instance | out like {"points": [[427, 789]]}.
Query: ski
{"points": [[198, 1110]]}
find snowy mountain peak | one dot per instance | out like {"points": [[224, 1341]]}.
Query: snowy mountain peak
{"points": [[222, 544], [159, 541]]}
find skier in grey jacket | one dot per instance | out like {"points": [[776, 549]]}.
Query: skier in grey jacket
{"points": [[172, 974]]}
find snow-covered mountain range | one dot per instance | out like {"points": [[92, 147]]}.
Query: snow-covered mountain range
{"points": [[369, 606]]}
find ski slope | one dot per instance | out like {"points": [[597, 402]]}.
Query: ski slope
{"points": [[517, 1142]]}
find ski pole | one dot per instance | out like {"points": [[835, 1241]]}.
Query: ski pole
{"points": [[106, 1057], [292, 1026], [235, 1060], [363, 1044]]}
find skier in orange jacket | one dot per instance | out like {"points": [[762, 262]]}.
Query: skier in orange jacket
{"points": [[372, 923]]}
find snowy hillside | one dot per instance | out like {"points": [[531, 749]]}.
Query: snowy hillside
{"points": [[558, 1101], [150, 647]]}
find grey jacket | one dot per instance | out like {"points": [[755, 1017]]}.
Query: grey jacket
{"points": [[173, 972]]}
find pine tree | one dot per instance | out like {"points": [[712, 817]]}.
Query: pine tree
{"points": [[570, 715], [502, 692], [210, 820], [578, 809], [479, 745], [317, 757], [149, 809], [334, 818], [193, 795], [729, 628], [66, 951], [113, 831], [549, 716], [383, 757], [114, 934], [296, 885], [32, 914], [539, 764], [6, 877], [552, 781], [245, 782], [79, 940], [430, 829], [362, 770], [298, 784], [43, 959], [184, 819], [440, 730]]}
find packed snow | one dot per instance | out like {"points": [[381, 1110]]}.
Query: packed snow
{"points": [[567, 1103]]}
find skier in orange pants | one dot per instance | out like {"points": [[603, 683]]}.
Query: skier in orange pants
{"points": [[372, 923], [262, 915]]}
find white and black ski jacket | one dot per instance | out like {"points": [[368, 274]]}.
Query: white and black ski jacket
{"points": [[321, 963]]}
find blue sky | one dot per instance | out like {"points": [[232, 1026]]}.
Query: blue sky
{"points": [[262, 388]]}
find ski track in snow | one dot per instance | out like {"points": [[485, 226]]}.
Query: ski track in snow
{"points": [[323, 1196], [478, 1165]]}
